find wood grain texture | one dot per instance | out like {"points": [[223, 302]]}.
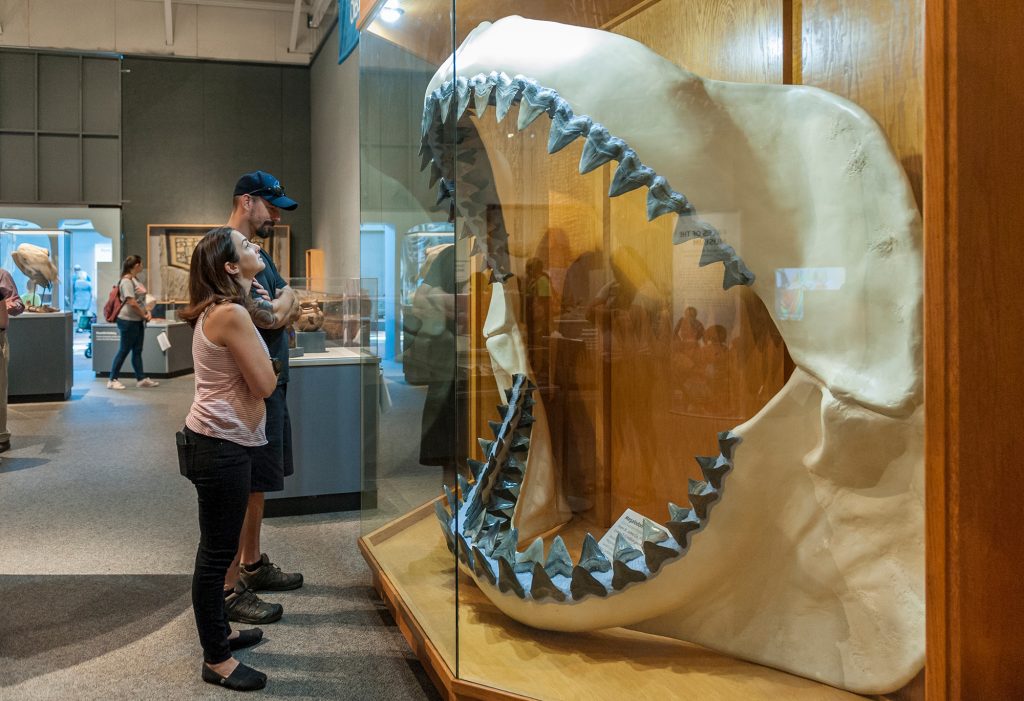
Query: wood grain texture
{"points": [[974, 314], [872, 53]]}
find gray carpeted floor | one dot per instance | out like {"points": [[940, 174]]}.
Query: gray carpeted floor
{"points": [[97, 537]]}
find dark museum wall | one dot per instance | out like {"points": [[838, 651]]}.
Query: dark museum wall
{"points": [[190, 128]]}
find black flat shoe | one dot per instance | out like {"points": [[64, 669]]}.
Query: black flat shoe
{"points": [[244, 678], [246, 638]]}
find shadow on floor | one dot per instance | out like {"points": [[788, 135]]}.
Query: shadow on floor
{"points": [[15, 464], [57, 621]]}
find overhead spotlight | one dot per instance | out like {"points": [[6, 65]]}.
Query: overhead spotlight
{"points": [[391, 12]]}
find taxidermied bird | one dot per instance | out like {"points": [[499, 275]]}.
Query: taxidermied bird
{"points": [[35, 263]]}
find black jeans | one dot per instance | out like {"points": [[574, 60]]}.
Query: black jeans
{"points": [[133, 333], [220, 471]]}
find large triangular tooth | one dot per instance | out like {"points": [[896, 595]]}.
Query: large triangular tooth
{"points": [[599, 148], [489, 538], [515, 465], [526, 420], [476, 467], [566, 128], [482, 94], [463, 485], [727, 442], [623, 575], [445, 107], [429, 113], [507, 580], [624, 552], [689, 227], [492, 520], [506, 549], [485, 445], [503, 506], [736, 273], [453, 502], [510, 486], [713, 469], [435, 173], [426, 156], [532, 555], [592, 559], [714, 252], [444, 191], [503, 410], [702, 496], [495, 428], [655, 555], [584, 584], [536, 101], [443, 516], [559, 561], [520, 444], [630, 175], [482, 567], [662, 199], [472, 528], [654, 533], [542, 587], [465, 552], [506, 92], [462, 93]]}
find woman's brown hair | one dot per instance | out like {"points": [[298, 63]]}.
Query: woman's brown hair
{"points": [[208, 282], [129, 263]]}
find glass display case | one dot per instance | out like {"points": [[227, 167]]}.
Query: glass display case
{"points": [[660, 369], [341, 311], [39, 260]]}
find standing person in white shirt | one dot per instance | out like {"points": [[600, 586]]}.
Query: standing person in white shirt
{"points": [[131, 324]]}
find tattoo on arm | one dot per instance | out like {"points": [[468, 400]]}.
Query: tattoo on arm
{"points": [[263, 314]]}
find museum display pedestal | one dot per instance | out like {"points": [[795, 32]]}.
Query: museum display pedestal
{"points": [[176, 360], [414, 573], [332, 402], [40, 368]]}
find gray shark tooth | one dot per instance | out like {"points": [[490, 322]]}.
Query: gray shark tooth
{"points": [[630, 175], [482, 567], [465, 553], [662, 199], [492, 520], [510, 486], [476, 467], [655, 555], [714, 252], [566, 128], [453, 502], [495, 427], [514, 465], [503, 410], [599, 148], [462, 93], [520, 444], [536, 101], [502, 506], [531, 556], [678, 513], [542, 587], [591, 557], [583, 584], [482, 94], [506, 548], [435, 173], [689, 227], [736, 273], [473, 528], [463, 485], [472, 226], [447, 93], [558, 561], [443, 516], [506, 92], [654, 533], [624, 552], [485, 445], [426, 157], [429, 112], [489, 538], [727, 442], [702, 496], [713, 469], [444, 191], [622, 575], [507, 580]]}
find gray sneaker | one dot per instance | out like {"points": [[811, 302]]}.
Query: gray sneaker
{"points": [[269, 577], [243, 606]]}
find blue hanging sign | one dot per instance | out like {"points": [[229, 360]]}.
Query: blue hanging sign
{"points": [[348, 33]]}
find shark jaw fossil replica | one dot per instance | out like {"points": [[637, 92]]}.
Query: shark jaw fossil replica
{"points": [[803, 547]]}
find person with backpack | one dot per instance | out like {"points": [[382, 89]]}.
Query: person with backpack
{"points": [[131, 324], [10, 305]]}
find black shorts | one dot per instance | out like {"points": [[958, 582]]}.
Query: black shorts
{"points": [[272, 462]]}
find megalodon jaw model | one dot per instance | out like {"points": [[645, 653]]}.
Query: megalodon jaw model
{"points": [[803, 547]]}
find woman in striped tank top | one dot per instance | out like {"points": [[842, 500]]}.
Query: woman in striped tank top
{"points": [[233, 374]]}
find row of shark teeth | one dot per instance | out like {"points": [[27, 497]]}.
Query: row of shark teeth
{"points": [[494, 557], [451, 100], [489, 502]]}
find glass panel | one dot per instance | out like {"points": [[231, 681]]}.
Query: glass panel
{"points": [[407, 245], [40, 263]]}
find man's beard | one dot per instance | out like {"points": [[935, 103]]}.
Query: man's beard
{"points": [[265, 230]]}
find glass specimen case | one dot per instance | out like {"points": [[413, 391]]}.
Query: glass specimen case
{"points": [[661, 366], [39, 260]]}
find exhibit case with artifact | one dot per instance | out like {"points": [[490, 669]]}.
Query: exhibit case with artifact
{"points": [[664, 382]]}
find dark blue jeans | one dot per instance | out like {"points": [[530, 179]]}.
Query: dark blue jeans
{"points": [[220, 471], [132, 335]]}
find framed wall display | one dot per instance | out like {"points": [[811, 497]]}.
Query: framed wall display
{"points": [[169, 252]]}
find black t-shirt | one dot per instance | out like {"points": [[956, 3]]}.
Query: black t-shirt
{"points": [[276, 339]]}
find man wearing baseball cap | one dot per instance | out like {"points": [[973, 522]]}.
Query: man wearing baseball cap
{"points": [[257, 204]]}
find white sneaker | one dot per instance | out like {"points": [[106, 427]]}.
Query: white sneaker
{"points": [[146, 382], [114, 384]]}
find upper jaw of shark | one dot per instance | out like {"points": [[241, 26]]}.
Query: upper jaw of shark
{"points": [[830, 517]]}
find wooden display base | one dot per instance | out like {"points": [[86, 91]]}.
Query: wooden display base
{"points": [[500, 659]]}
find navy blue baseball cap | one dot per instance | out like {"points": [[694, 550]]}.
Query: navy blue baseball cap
{"points": [[266, 186]]}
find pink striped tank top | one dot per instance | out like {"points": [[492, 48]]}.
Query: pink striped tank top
{"points": [[223, 406]]}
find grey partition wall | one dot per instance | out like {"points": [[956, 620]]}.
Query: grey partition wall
{"points": [[60, 128]]}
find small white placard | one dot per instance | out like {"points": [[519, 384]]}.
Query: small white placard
{"points": [[163, 341], [631, 526]]}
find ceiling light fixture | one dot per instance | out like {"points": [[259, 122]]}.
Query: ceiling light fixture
{"points": [[391, 12]]}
